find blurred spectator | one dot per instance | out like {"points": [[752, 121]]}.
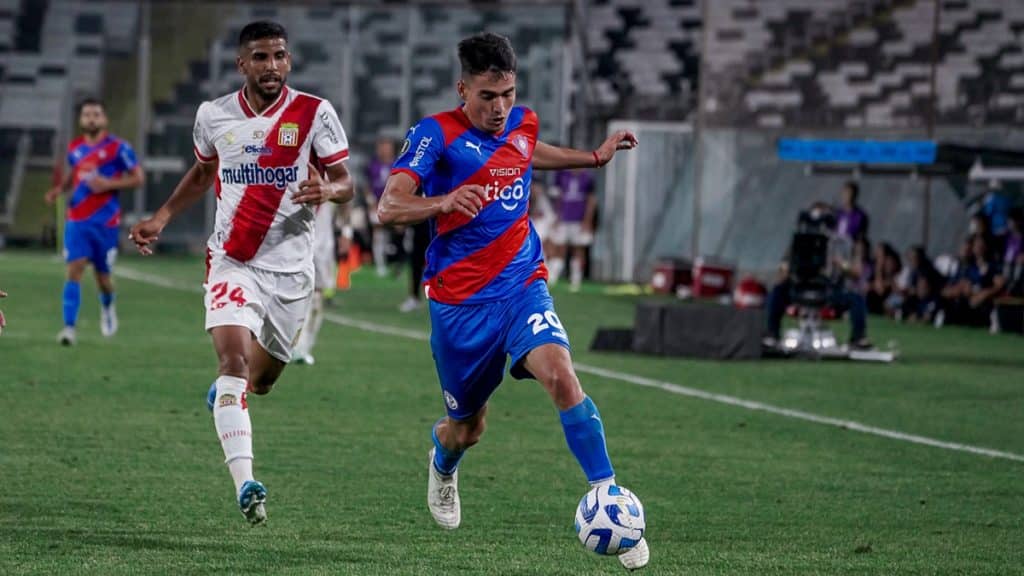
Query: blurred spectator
{"points": [[845, 272], [1010, 305], [884, 282], [1014, 236], [419, 237], [979, 225], [996, 207], [851, 219], [542, 214], [377, 172], [923, 287], [576, 209], [968, 297], [865, 266]]}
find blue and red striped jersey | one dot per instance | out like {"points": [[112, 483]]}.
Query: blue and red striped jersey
{"points": [[110, 157], [498, 253]]}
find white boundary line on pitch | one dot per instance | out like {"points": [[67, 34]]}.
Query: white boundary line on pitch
{"points": [[138, 276]]}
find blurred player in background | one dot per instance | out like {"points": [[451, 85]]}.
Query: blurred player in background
{"points": [[576, 207], [377, 172], [3, 321], [485, 269], [325, 268], [256, 145], [100, 164]]}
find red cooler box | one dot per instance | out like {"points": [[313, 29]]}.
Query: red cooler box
{"points": [[711, 278], [669, 274]]}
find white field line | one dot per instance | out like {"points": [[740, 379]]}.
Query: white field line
{"points": [[641, 381]]}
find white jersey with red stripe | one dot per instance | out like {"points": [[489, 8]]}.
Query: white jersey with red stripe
{"points": [[261, 159]]}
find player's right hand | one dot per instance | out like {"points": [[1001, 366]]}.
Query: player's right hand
{"points": [[52, 194], [145, 233], [467, 200]]}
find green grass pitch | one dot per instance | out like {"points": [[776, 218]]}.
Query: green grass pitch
{"points": [[109, 463]]}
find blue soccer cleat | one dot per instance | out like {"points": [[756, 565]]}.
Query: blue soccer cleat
{"points": [[251, 498], [211, 396]]}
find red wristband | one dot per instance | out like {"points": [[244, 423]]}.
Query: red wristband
{"points": [[597, 160]]}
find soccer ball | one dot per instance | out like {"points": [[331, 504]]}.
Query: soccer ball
{"points": [[610, 520]]}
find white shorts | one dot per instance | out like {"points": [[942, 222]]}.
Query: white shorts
{"points": [[272, 305], [543, 224], [571, 234]]}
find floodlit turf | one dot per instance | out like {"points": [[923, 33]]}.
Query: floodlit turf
{"points": [[109, 463]]}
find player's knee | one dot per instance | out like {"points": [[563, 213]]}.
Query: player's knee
{"points": [[234, 364], [469, 434], [561, 382], [76, 270]]}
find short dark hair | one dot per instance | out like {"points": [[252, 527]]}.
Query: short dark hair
{"points": [[90, 101], [261, 29], [486, 52], [854, 187]]}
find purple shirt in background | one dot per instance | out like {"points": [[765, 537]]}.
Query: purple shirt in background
{"points": [[377, 173], [851, 223], [1014, 243], [576, 187]]}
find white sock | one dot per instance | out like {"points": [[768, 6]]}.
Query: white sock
{"points": [[380, 250], [555, 270], [234, 428], [241, 472], [576, 272]]}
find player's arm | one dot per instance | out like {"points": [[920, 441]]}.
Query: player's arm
{"points": [[400, 205], [131, 179], [548, 157], [54, 192], [338, 187], [193, 186]]}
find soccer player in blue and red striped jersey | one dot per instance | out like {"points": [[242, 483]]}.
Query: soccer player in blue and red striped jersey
{"points": [[101, 164], [485, 270]]}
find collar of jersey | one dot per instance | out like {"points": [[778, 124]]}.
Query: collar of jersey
{"points": [[99, 141], [248, 109]]}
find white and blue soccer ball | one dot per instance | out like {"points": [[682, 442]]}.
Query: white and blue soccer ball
{"points": [[610, 520]]}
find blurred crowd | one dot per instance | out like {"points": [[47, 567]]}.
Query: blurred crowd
{"points": [[980, 285]]}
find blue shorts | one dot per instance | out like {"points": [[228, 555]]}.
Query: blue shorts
{"points": [[472, 343], [96, 242]]}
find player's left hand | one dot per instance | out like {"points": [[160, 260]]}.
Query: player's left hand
{"points": [[621, 140], [99, 184], [313, 190]]}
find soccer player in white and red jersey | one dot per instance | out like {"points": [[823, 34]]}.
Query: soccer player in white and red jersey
{"points": [[255, 145], [485, 270]]}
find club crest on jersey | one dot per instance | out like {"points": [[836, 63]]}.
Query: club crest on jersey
{"points": [[450, 400], [522, 144], [288, 134]]}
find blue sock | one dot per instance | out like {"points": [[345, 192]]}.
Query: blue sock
{"points": [[445, 460], [585, 435], [106, 299], [72, 299]]}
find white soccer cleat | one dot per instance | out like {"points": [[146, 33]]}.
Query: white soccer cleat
{"points": [[443, 497], [66, 337], [637, 556], [108, 321], [409, 305]]}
